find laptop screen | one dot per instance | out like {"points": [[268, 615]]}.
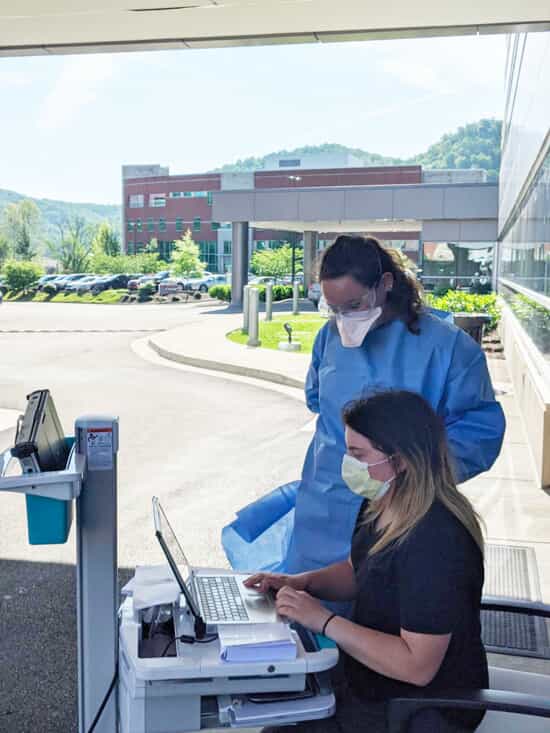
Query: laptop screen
{"points": [[163, 527]]}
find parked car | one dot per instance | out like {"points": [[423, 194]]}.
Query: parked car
{"points": [[63, 284], [110, 282], [45, 279], [175, 280], [83, 285], [220, 280], [162, 275], [56, 281], [3, 286], [136, 282], [314, 293], [200, 283], [262, 280]]}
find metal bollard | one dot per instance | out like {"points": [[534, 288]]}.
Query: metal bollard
{"points": [[295, 297], [269, 302], [246, 292], [253, 317]]}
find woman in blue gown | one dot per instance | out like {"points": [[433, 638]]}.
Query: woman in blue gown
{"points": [[380, 337]]}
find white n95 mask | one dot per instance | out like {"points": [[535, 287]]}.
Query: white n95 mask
{"points": [[353, 327], [357, 477]]}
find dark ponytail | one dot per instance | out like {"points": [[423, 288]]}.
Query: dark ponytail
{"points": [[364, 259]]}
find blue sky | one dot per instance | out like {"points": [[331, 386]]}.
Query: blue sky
{"points": [[69, 123]]}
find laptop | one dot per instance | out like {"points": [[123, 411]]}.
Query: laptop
{"points": [[40, 443], [215, 598]]}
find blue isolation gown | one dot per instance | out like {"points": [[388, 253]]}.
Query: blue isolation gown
{"points": [[308, 524]]}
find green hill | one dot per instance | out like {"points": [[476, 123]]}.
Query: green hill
{"points": [[476, 145], [56, 212]]}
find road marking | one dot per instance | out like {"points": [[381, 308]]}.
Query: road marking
{"points": [[83, 330]]}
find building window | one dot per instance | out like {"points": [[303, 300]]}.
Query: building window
{"points": [[165, 250], [130, 225], [138, 225], [209, 255], [215, 225], [162, 225], [150, 225], [175, 194], [179, 224], [209, 198], [136, 200], [197, 224], [157, 200], [227, 247], [290, 163]]}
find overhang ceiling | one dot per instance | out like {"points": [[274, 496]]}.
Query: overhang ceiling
{"points": [[76, 26], [372, 226]]}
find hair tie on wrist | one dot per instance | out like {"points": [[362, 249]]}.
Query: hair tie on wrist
{"points": [[329, 619]]}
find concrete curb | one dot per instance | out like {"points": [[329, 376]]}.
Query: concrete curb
{"points": [[219, 366]]}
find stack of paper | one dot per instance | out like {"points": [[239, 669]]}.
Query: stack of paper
{"points": [[256, 643], [152, 585]]}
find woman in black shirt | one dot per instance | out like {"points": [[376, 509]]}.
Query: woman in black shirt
{"points": [[415, 573]]}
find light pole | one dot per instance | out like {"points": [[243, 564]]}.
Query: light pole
{"points": [[294, 179]]}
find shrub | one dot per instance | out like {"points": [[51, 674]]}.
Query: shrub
{"points": [[21, 275], [280, 292], [456, 301], [145, 292], [535, 319], [221, 292]]}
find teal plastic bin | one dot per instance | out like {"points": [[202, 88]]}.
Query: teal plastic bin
{"points": [[49, 520]]}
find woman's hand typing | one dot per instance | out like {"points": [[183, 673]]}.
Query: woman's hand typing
{"points": [[297, 605], [264, 582]]}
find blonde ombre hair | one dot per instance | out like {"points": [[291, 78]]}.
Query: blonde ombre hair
{"points": [[403, 425]]}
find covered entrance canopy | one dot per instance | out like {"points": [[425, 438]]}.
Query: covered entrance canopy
{"points": [[439, 212], [76, 26]]}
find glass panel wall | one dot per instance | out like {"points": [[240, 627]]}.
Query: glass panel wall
{"points": [[525, 263], [526, 115], [463, 265]]}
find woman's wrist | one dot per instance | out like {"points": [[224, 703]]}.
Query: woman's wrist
{"points": [[329, 618], [305, 582]]}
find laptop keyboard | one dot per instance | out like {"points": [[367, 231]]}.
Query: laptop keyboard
{"points": [[220, 598]]}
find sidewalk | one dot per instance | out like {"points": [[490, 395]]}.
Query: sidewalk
{"points": [[203, 343], [515, 510]]}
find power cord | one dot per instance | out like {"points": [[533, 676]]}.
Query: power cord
{"points": [[183, 638], [189, 640], [104, 702]]}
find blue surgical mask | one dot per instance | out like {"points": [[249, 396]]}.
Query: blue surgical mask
{"points": [[357, 476]]}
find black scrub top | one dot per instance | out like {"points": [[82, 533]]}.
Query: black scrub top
{"points": [[429, 584]]}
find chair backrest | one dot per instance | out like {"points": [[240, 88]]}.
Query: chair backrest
{"points": [[511, 679]]}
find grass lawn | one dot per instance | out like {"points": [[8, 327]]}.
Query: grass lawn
{"points": [[105, 297], [304, 330]]}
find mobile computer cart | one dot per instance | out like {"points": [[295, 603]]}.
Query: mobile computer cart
{"points": [[191, 691]]}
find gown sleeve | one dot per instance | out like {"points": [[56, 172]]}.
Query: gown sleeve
{"points": [[312, 379], [474, 420]]}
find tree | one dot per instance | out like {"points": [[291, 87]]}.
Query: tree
{"points": [[185, 257], [5, 250], [20, 224], [275, 262], [144, 262], [21, 275], [73, 247], [153, 247], [106, 240]]}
